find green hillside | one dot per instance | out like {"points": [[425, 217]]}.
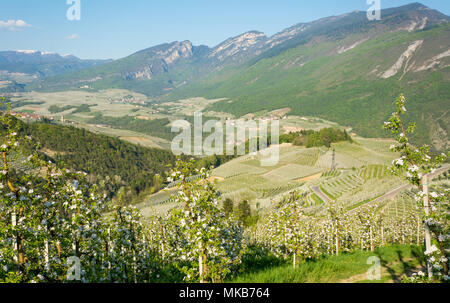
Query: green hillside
{"points": [[117, 166], [315, 80], [398, 261]]}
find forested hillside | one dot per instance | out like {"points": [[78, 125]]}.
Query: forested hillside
{"points": [[120, 168]]}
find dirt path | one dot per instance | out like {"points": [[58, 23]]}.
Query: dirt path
{"points": [[310, 178], [385, 272], [214, 178], [318, 191]]}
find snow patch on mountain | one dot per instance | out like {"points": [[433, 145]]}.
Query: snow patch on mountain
{"points": [[27, 51]]}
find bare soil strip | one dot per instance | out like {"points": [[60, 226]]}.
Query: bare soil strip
{"points": [[318, 191]]}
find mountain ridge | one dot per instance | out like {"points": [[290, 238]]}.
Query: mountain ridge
{"points": [[341, 68], [39, 64], [167, 67]]}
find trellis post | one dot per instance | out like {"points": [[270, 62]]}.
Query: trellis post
{"points": [[200, 262], [426, 204], [14, 223]]}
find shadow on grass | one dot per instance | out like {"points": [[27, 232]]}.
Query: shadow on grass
{"points": [[258, 259], [401, 266], [260, 266]]}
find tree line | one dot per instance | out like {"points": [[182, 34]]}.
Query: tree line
{"points": [[119, 168], [312, 138]]}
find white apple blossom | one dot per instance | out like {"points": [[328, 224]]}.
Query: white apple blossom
{"points": [[399, 162]]}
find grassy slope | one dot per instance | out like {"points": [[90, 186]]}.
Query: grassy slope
{"points": [[395, 261]]}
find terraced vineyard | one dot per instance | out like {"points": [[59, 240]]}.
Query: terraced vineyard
{"points": [[292, 171], [362, 153], [228, 170], [338, 186], [374, 171], [313, 200], [251, 182], [400, 206], [362, 175], [272, 192], [331, 173], [255, 187], [306, 156]]}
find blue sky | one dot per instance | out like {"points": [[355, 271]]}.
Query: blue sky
{"points": [[117, 28]]}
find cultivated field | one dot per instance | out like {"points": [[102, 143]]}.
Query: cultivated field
{"points": [[360, 172], [362, 175]]}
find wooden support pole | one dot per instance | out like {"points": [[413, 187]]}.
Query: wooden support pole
{"points": [[426, 204], [200, 263]]}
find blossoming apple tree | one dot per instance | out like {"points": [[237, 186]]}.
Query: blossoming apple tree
{"points": [[414, 162], [50, 215], [206, 243]]}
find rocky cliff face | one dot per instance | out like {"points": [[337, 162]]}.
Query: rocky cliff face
{"points": [[285, 35], [238, 46], [177, 51], [158, 60]]}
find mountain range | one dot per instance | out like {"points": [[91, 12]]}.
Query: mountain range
{"points": [[33, 64], [342, 68]]}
